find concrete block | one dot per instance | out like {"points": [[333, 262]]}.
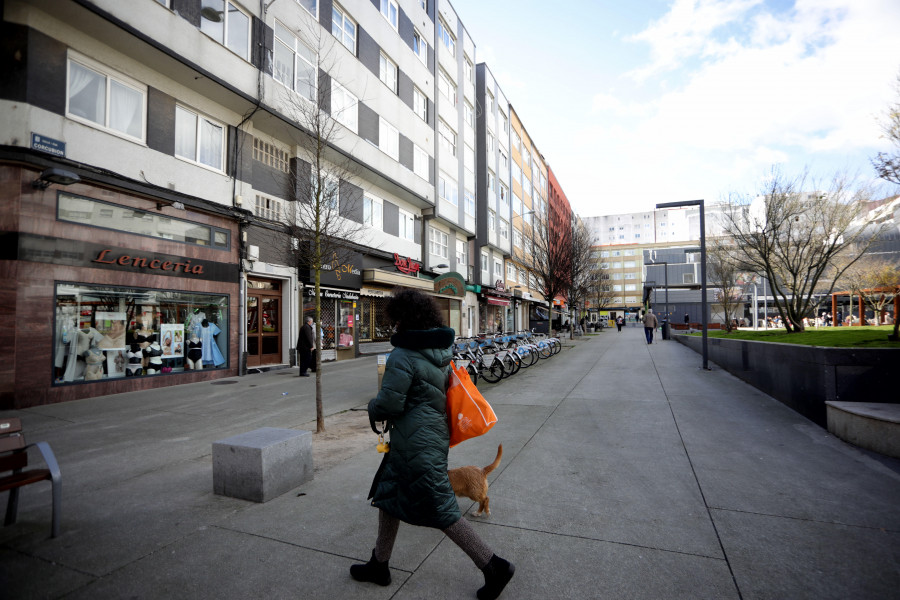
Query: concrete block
{"points": [[871, 425], [262, 464]]}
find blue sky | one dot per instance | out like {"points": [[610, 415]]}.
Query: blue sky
{"points": [[634, 103]]}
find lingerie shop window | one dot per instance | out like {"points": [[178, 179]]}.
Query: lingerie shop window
{"points": [[103, 333]]}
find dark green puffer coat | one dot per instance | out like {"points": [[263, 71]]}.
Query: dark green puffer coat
{"points": [[412, 482]]}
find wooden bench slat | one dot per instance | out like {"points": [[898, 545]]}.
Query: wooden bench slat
{"points": [[12, 442], [21, 479], [18, 460]]}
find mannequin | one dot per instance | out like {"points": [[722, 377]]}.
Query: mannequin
{"points": [[207, 333], [135, 358], [153, 357], [80, 341], [193, 358], [94, 359]]}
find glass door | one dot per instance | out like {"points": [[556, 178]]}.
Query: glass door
{"points": [[263, 323]]}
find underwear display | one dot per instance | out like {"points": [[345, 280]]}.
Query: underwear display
{"points": [[195, 350], [154, 353], [135, 358]]}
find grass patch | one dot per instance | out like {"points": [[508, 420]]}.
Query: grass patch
{"points": [[832, 337]]}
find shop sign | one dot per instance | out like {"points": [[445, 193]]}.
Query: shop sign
{"points": [[499, 285], [106, 257], [406, 264], [451, 284], [343, 270], [496, 301], [332, 294]]}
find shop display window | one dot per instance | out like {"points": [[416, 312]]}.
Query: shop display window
{"points": [[374, 325], [103, 333]]}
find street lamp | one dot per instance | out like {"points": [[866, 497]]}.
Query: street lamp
{"points": [[704, 318], [666, 273]]}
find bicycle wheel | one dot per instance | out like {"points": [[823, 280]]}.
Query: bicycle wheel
{"points": [[556, 346], [473, 373], [524, 356], [532, 355], [511, 363], [544, 350], [492, 373]]}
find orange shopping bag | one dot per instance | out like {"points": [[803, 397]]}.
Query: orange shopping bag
{"points": [[469, 413]]}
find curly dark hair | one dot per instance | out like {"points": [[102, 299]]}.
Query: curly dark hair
{"points": [[413, 310]]}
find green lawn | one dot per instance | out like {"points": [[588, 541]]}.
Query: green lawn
{"points": [[835, 337]]}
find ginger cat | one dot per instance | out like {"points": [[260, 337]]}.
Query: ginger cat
{"points": [[471, 482]]}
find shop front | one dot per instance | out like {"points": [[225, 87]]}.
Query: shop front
{"points": [[340, 281], [496, 309], [380, 278], [265, 331], [137, 293]]}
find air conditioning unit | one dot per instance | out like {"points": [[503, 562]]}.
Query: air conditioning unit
{"points": [[253, 252]]}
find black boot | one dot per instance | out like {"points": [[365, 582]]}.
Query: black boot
{"points": [[373, 571], [497, 574]]}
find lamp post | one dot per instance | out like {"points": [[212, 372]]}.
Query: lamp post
{"points": [[704, 318], [666, 277]]}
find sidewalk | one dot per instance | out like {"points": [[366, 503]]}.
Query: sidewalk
{"points": [[627, 473]]}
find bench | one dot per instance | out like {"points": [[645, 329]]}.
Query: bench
{"points": [[14, 459], [262, 464]]}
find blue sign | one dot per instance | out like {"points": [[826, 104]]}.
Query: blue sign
{"points": [[48, 145]]}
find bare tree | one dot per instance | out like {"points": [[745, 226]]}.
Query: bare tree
{"points": [[582, 269], [599, 290], [547, 257], [723, 270], [794, 237], [887, 164], [325, 220], [877, 282]]}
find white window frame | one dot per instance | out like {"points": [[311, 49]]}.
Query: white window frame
{"points": [[462, 252], [387, 72], [268, 208], [295, 46], [504, 229], [469, 203], [446, 86], [485, 266], [225, 17], [469, 69], [110, 77], [388, 139], [510, 271], [332, 200], [492, 221], [438, 242], [406, 225], [447, 38], [420, 162], [314, 11], [420, 47], [391, 12], [199, 120], [468, 114], [341, 21], [420, 104], [448, 189], [517, 238], [373, 211], [448, 137], [498, 269], [345, 112]]}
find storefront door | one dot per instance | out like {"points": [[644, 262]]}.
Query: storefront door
{"points": [[263, 322]]}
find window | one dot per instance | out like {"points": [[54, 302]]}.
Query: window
{"points": [[517, 204], [106, 314], [420, 104], [492, 221], [604, 254], [437, 242], [373, 211], [517, 238], [510, 271], [407, 226], [446, 37], [343, 28], [420, 47], [489, 109], [517, 141], [420, 162], [504, 162], [522, 277], [468, 114], [504, 229], [461, 251], [469, 70], [270, 155], [389, 11], [484, 265], [489, 142], [310, 5], [470, 203], [628, 264], [526, 158], [516, 173], [387, 72], [446, 87], [227, 24], [498, 268], [492, 182], [95, 213], [504, 122], [447, 189], [388, 139], [504, 198], [330, 196], [295, 63], [469, 163], [687, 278], [344, 106], [423, 4], [199, 139], [268, 208], [448, 137], [106, 100]]}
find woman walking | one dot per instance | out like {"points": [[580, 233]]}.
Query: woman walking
{"points": [[411, 484]]}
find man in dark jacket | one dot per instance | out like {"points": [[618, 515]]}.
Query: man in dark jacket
{"points": [[412, 484], [305, 343]]}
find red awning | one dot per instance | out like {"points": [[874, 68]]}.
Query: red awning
{"points": [[497, 301]]}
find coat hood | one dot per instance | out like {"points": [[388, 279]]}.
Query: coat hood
{"points": [[434, 343]]}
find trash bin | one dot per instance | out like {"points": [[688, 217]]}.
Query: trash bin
{"points": [[665, 329]]}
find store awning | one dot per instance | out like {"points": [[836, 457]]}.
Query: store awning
{"points": [[496, 301]]}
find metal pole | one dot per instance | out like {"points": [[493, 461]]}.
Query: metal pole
{"points": [[755, 309]]}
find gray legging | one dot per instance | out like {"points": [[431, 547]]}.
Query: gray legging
{"points": [[462, 533]]}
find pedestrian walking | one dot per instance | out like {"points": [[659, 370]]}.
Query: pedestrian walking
{"points": [[412, 484], [650, 323], [305, 344], [620, 320]]}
